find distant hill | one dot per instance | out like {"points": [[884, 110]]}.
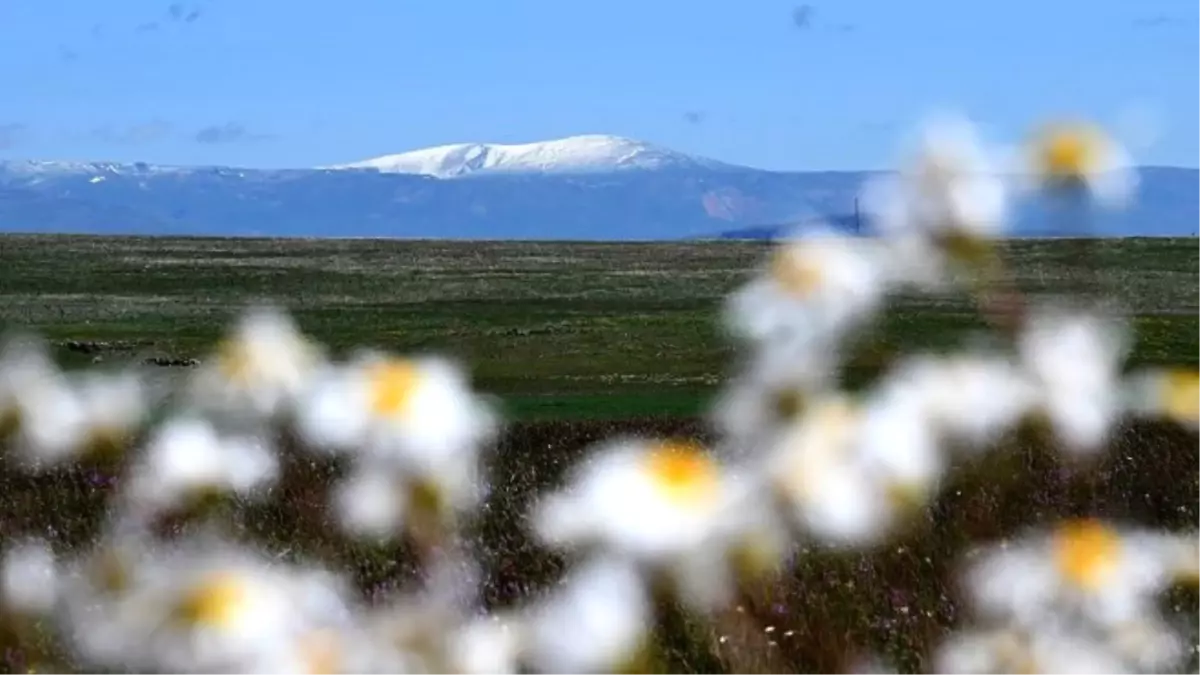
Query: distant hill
{"points": [[585, 187], [851, 224]]}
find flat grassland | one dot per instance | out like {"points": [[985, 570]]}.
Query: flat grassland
{"points": [[556, 329], [625, 332]]}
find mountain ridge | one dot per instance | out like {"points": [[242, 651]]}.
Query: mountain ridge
{"points": [[580, 154], [592, 187]]}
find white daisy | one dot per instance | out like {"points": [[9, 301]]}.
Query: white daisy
{"points": [[487, 645], [769, 393], [203, 607], [650, 500], [30, 581], [597, 621], [813, 289], [1172, 394], [969, 398], [51, 422], [259, 369], [1104, 573], [419, 415], [1045, 650], [913, 261], [115, 406], [1075, 361], [187, 459], [899, 448], [948, 188], [1071, 154], [331, 651], [813, 469], [1148, 645], [372, 502], [847, 471], [667, 505], [24, 363]]}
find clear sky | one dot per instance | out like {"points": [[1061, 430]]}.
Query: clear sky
{"points": [[779, 85]]}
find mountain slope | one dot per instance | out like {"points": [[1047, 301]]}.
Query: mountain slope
{"points": [[600, 187], [572, 155]]}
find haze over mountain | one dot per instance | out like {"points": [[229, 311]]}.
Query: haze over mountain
{"points": [[581, 187]]}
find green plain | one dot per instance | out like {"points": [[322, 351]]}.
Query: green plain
{"points": [[558, 330]]}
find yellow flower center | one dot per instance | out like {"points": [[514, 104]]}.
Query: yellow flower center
{"points": [[1069, 152], [392, 385], [235, 361], [215, 602], [1087, 553], [797, 271], [684, 472], [1181, 395]]}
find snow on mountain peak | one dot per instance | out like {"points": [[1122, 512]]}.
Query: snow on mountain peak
{"points": [[593, 153]]}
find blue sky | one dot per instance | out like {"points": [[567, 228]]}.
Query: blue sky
{"points": [[778, 85]]}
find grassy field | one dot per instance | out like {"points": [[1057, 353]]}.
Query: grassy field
{"points": [[624, 332], [557, 329]]}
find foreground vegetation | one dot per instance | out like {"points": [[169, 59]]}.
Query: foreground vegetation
{"points": [[895, 600], [557, 329]]}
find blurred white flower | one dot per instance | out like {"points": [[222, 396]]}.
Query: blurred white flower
{"points": [[24, 363], [669, 506], [1074, 154], [1172, 394], [898, 446], [847, 471], [1104, 573], [203, 607], [487, 645], [259, 369], [372, 502], [814, 469], [1045, 650], [1075, 361], [755, 537], [417, 415], [771, 391], [648, 499], [91, 414], [187, 459], [948, 189], [30, 578], [597, 621], [913, 261], [315, 652], [1148, 645], [871, 664], [969, 398], [814, 288], [115, 406], [52, 422]]}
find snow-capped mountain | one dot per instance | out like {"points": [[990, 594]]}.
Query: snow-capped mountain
{"points": [[583, 187], [587, 154]]}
